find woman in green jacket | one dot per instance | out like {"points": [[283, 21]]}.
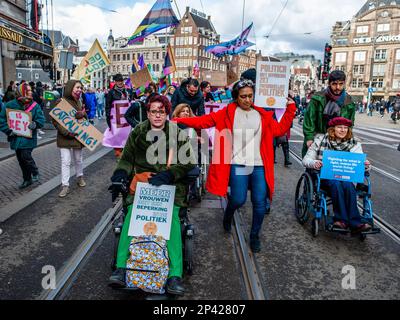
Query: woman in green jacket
{"points": [[24, 146]]}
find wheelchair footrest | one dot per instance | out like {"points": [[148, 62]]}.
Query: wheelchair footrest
{"points": [[372, 231]]}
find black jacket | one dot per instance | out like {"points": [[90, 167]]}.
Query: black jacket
{"points": [[136, 114], [114, 95], [196, 103]]}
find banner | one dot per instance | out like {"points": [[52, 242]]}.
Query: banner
{"points": [[120, 128], [152, 211], [272, 84], [95, 60], [210, 108], [18, 121], [141, 78], [169, 66], [88, 135], [343, 166]]}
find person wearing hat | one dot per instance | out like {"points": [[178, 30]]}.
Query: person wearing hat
{"points": [[326, 105], [24, 146], [118, 92], [339, 137]]}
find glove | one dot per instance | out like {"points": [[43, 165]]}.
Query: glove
{"points": [[32, 125], [80, 115], [72, 134], [119, 185], [11, 136], [162, 178]]}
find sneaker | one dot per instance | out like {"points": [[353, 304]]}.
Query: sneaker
{"points": [[25, 185], [255, 245], [81, 182], [174, 286], [117, 279], [41, 132], [36, 178], [64, 192]]}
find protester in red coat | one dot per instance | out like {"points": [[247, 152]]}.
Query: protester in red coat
{"points": [[243, 154]]}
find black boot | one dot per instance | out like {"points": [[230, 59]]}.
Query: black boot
{"points": [[174, 286], [25, 184], [117, 279], [285, 148], [227, 223], [255, 244]]}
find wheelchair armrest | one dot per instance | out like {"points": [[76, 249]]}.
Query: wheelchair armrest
{"points": [[193, 174]]}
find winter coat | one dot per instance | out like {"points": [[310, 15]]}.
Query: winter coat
{"points": [[22, 142], [91, 104], [114, 95], [314, 122], [219, 172], [136, 114], [63, 139], [312, 153], [181, 95], [134, 160]]}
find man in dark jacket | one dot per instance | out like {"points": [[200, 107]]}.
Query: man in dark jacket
{"points": [[189, 92], [136, 113], [326, 105], [117, 93]]}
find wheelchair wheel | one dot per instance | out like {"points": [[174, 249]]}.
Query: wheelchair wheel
{"points": [[188, 256], [304, 197], [315, 227]]}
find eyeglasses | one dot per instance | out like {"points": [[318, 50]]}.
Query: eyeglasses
{"points": [[157, 112]]}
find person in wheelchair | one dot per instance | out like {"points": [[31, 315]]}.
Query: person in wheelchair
{"points": [[139, 164], [344, 194]]}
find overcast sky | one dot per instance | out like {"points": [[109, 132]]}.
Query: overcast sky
{"points": [[89, 19]]}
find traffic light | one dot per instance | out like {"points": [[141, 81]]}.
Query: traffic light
{"points": [[319, 72], [327, 61]]}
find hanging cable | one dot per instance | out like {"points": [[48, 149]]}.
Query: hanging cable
{"points": [[277, 19]]}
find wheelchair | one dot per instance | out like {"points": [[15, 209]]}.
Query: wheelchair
{"points": [[187, 233], [312, 202], [197, 186]]}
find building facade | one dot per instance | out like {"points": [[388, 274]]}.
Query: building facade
{"points": [[367, 48], [20, 39]]}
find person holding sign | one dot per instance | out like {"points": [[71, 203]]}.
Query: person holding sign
{"points": [[149, 160], [69, 146], [243, 154], [22, 133], [326, 105], [344, 195]]}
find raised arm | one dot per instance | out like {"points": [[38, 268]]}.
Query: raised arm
{"points": [[198, 123], [280, 128]]}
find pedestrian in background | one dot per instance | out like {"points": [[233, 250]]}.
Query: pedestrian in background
{"points": [[90, 104], [9, 95], [100, 99], [24, 146], [189, 92], [205, 87], [69, 146]]}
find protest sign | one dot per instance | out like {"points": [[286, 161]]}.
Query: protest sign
{"points": [[152, 211], [141, 78], [87, 134], [117, 136], [18, 121], [272, 85], [210, 108], [343, 166]]}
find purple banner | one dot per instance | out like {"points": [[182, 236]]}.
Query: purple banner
{"points": [[120, 129]]}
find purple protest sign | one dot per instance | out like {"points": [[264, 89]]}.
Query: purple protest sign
{"points": [[120, 129], [210, 108]]}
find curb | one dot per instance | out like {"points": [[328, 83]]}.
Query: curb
{"points": [[28, 199]]}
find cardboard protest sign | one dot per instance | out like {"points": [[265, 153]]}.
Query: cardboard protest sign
{"points": [[18, 121], [152, 211], [88, 135], [272, 85], [117, 136], [343, 166], [141, 78]]}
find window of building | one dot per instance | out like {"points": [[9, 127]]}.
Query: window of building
{"points": [[128, 57], [360, 56], [359, 69], [341, 68], [383, 27], [341, 57], [357, 83], [195, 40], [362, 29], [396, 84], [379, 70], [124, 57], [397, 54], [377, 83], [380, 55], [397, 68]]}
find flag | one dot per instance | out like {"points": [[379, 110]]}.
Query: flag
{"points": [[233, 47], [141, 62], [135, 67], [94, 61], [161, 16], [169, 62]]}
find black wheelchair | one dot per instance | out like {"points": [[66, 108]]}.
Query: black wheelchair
{"points": [[187, 232], [312, 202]]}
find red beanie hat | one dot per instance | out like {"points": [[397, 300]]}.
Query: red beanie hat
{"points": [[340, 121]]}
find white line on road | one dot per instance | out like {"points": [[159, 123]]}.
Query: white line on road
{"points": [[380, 132]]}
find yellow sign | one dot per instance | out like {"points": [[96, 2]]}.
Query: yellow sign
{"points": [[10, 35], [94, 61]]}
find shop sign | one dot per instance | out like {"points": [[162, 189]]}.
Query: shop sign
{"points": [[379, 39]]}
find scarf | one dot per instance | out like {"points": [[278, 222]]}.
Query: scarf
{"points": [[334, 104], [327, 144]]}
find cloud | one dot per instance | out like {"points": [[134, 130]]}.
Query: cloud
{"points": [[86, 22]]}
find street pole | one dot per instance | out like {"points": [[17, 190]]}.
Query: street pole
{"points": [[371, 72]]}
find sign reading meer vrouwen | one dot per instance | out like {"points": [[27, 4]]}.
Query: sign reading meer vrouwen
{"points": [[18, 121], [87, 134], [343, 166], [152, 211], [272, 85]]}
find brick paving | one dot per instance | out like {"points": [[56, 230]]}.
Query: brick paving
{"points": [[47, 159]]}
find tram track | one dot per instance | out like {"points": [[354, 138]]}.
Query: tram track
{"points": [[385, 226], [71, 270]]}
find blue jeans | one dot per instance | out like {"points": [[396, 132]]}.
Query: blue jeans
{"points": [[241, 180], [344, 198]]}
